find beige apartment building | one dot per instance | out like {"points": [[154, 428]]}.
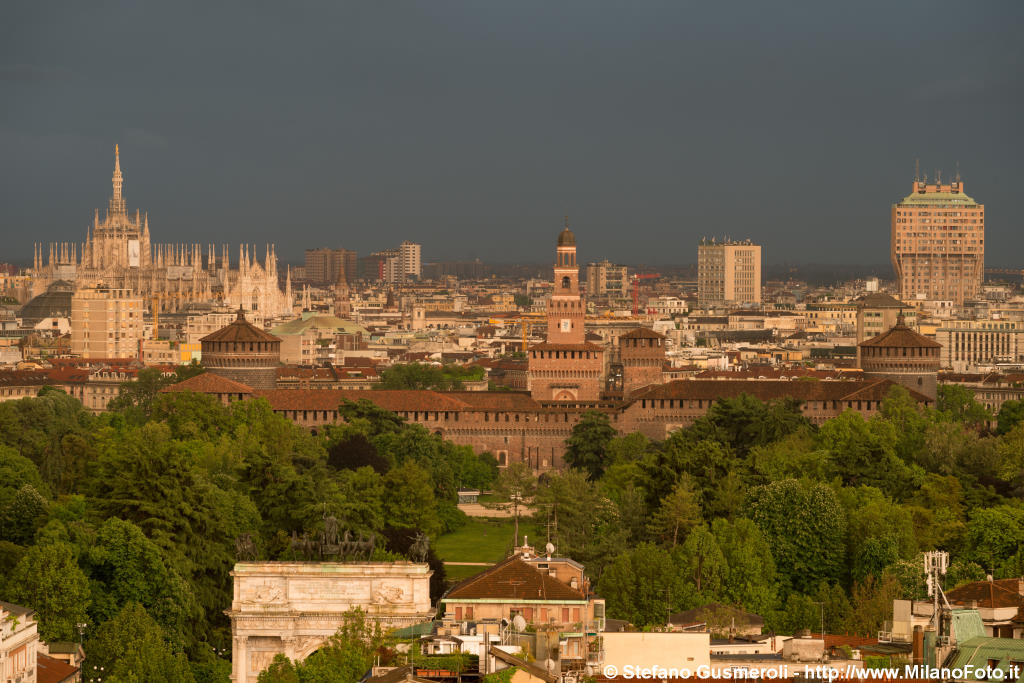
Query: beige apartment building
{"points": [[973, 345], [606, 279], [938, 243], [728, 273], [106, 323]]}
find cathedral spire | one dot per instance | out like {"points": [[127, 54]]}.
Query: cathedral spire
{"points": [[117, 206]]}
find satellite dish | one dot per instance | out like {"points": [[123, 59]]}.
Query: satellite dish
{"points": [[519, 623], [550, 547]]}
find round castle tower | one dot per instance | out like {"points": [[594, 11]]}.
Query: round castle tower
{"points": [[903, 356], [244, 353]]}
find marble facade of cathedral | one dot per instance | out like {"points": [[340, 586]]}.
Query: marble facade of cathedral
{"points": [[118, 253]]}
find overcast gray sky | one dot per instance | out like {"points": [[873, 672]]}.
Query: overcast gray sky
{"points": [[473, 126]]}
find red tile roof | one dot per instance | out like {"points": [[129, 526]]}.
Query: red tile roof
{"points": [[642, 333], [999, 593], [53, 670], [210, 383], [901, 336], [240, 330], [399, 400], [808, 390], [779, 373], [512, 579], [586, 346]]}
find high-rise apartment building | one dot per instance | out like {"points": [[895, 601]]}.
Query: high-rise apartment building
{"points": [[605, 279], [728, 273], [938, 243], [410, 258], [106, 323], [326, 266]]}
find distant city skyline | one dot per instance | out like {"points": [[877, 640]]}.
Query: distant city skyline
{"points": [[473, 129]]}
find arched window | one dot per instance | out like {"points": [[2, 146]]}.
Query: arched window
{"points": [[565, 282]]}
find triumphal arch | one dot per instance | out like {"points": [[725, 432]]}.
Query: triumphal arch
{"points": [[293, 607]]}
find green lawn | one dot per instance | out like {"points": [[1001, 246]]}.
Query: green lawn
{"points": [[481, 540]]}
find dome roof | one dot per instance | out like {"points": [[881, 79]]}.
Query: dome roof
{"points": [[900, 336], [241, 330], [566, 238], [55, 302]]}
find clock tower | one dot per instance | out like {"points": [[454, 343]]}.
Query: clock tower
{"points": [[565, 307], [566, 368]]}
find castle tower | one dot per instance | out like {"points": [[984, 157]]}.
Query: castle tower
{"points": [[244, 353], [643, 357], [903, 356], [566, 368], [565, 307]]}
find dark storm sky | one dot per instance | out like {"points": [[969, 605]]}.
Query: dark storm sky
{"points": [[472, 127]]}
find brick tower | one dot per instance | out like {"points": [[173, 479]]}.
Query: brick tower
{"points": [[643, 356], [244, 353], [565, 367]]}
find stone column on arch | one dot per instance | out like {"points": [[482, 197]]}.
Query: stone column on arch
{"points": [[240, 659]]}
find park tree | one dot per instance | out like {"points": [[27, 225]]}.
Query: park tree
{"points": [[862, 453], [702, 563], [39, 429], [133, 647], [345, 656], [421, 376], [708, 462], [797, 455], [622, 484], [909, 420], [515, 488], [145, 477], [586, 521], [191, 416], [135, 398], [678, 513], [48, 580], [410, 503], [126, 567], [16, 471], [751, 577], [995, 537], [1011, 457], [643, 586], [957, 403], [879, 531], [871, 604], [586, 448], [367, 417], [962, 571], [805, 527], [22, 515], [745, 422], [1011, 414], [352, 450]]}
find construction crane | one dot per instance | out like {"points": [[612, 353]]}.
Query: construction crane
{"points": [[637, 277]]}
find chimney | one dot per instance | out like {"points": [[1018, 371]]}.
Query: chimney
{"points": [[918, 646]]}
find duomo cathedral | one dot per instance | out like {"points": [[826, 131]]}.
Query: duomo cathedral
{"points": [[117, 253]]}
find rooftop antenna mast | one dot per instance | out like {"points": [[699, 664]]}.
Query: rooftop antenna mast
{"points": [[958, 173], [936, 562], [917, 170]]}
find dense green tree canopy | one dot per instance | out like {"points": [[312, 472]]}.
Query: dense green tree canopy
{"points": [[48, 580]]}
